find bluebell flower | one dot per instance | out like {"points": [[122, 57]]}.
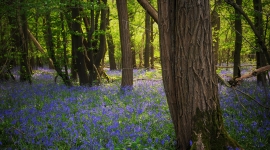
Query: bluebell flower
{"points": [[110, 145]]}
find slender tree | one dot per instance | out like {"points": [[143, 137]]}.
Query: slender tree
{"points": [[127, 69], [258, 22], [102, 38], [25, 73], [215, 22], [238, 41], [147, 40], [189, 75], [111, 46]]}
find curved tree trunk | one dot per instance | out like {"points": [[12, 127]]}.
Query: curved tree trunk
{"points": [[189, 75]]}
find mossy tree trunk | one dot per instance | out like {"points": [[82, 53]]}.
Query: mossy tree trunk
{"points": [[189, 75]]}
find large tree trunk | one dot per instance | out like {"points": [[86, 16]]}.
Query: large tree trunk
{"points": [[189, 75], [127, 70], [77, 46], [238, 41]]}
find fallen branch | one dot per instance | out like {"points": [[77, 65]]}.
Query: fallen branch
{"points": [[236, 81], [253, 73]]}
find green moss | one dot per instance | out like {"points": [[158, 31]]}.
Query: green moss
{"points": [[209, 132]]}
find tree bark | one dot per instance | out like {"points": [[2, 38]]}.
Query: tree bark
{"points": [[189, 75], [238, 41], [127, 70]]}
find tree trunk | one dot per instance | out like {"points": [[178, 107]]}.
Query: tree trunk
{"points": [[77, 46], [90, 28], [110, 43], [102, 37], [238, 41], [152, 56], [127, 70], [189, 75], [147, 40], [25, 73], [64, 42], [258, 19], [215, 23]]}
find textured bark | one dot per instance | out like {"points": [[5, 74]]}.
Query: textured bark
{"points": [[127, 69], [189, 75], [238, 41], [77, 46]]}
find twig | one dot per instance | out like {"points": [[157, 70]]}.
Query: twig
{"points": [[240, 100], [252, 98]]}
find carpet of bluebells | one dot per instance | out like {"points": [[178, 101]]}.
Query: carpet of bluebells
{"points": [[48, 115]]}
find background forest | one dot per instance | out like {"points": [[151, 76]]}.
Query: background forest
{"points": [[68, 57]]}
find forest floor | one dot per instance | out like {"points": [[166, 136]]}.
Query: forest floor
{"points": [[48, 115]]}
